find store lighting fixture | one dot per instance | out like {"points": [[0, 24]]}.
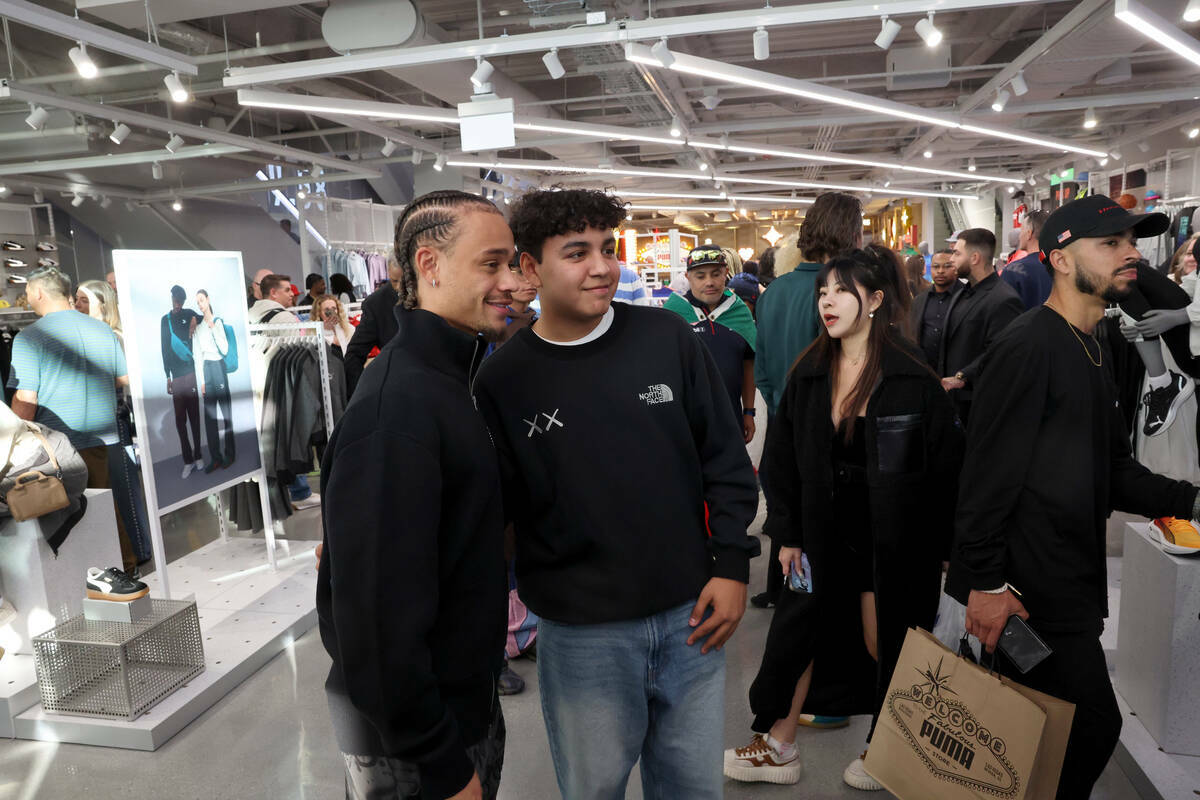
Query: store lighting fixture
{"points": [[120, 131], [439, 163], [662, 53], [928, 31], [676, 129], [77, 201], [1116, 155], [1120, 71], [174, 143], [176, 205], [1012, 189], [746, 76], [1143, 147], [887, 183], [83, 62], [1192, 132], [175, 87], [711, 101], [1157, 30], [971, 164], [417, 155], [105, 201], [37, 117], [1001, 100], [300, 194], [1064, 172], [762, 44], [928, 154], [1103, 162], [888, 31], [38, 197], [553, 65], [1089, 119], [1019, 86], [633, 207], [483, 72], [156, 171], [316, 172], [1192, 12], [3, 189], [388, 148]]}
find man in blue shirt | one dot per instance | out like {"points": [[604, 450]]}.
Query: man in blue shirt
{"points": [[66, 368], [1028, 275]]}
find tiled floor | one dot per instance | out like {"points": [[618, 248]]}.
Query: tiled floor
{"points": [[272, 738]]}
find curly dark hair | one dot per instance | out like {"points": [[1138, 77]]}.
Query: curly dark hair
{"points": [[430, 219], [538, 215], [831, 227]]}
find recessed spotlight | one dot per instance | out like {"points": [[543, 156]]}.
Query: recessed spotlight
{"points": [[888, 31], [175, 87], [928, 31], [83, 62]]}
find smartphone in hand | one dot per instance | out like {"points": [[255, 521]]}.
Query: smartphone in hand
{"points": [[800, 582]]}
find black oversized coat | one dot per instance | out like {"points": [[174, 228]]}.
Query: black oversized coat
{"points": [[914, 452]]}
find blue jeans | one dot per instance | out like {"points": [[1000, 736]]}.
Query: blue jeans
{"points": [[299, 489], [617, 691]]}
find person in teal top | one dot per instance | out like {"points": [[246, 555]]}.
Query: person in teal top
{"points": [[787, 311]]}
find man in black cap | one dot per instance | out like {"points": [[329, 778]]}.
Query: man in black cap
{"points": [[1047, 461]]}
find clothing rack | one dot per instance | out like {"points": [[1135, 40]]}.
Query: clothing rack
{"points": [[361, 245], [304, 333], [17, 319]]}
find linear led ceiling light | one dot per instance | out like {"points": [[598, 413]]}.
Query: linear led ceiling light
{"points": [[888, 31], [928, 31], [174, 143], [553, 64], [120, 131], [1156, 29], [1089, 119], [37, 117], [1192, 12], [370, 109], [175, 87], [1002, 98], [483, 72], [745, 76], [1019, 85], [83, 62], [633, 207], [762, 44]]}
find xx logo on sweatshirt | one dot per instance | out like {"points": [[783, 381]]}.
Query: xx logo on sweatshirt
{"points": [[544, 427]]}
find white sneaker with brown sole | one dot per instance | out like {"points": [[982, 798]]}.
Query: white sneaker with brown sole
{"points": [[856, 776], [760, 762]]}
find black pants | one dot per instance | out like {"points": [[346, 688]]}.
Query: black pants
{"points": [[1155, 290], [774, 572], [187, 409], [1077, 673], [216, 395]]}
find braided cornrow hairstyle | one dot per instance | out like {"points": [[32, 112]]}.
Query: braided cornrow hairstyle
{"points": [[429, 220]]}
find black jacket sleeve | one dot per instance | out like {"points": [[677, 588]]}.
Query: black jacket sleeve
{"points": [[384, 624], [364, 340], [945, 445], [998, 318], [730, 489], [781, 475], [1008, 404], [1137, 490]]}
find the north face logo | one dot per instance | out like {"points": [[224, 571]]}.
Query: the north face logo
{"points": [[657, 394]]}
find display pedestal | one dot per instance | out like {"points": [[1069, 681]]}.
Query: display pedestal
{"points": [[47, 590], [1158, 645], [117, 611]]}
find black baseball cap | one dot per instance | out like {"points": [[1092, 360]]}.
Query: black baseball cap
{"points": [[1093, 217], [704, 256]]}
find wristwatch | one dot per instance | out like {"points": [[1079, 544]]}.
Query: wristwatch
{"points": [[748, 412], [958, 376]]}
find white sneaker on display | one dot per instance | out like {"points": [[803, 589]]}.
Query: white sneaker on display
{"points": [[856, 776], [187, 470]]}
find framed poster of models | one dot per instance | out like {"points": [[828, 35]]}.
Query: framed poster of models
{"points": [[187, 346]]}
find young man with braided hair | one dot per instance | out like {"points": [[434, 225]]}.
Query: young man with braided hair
{"points": [[411, 589], [636, 599]]}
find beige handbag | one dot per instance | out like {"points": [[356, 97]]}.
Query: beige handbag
{"points": [[35, 493]]}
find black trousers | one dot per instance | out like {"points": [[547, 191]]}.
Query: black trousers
{"points": [[1076, 672], [1153, 289], [187, 410], [216, 396], [774, 573]]}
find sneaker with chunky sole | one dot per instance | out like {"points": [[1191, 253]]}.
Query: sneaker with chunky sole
{"points": [[856, 776], [114, 584], [1176, 536], [759, 762], [821, 722], [1163, 404]]}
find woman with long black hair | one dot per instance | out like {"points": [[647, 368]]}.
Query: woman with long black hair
{"points": [[864, 438], [210, 346]]}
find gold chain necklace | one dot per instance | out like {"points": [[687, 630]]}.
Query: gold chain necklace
{"points": [[1099, 348]]}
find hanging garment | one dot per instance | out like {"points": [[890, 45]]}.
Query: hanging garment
{"points": [[356, 267]]}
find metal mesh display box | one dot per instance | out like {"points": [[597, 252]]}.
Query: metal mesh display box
{"points": [[119, 669]]}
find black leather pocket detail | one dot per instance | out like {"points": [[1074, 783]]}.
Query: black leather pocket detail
{"points": [[900, 444]]}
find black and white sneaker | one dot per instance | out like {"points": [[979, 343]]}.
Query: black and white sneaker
{"points": [[14, 263], [1163, 404], [113, 584], [46, 247], [11, 245]]}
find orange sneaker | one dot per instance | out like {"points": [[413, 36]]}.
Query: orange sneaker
{"points": [[1176, 536]]}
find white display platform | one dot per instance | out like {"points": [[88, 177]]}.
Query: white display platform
{"points": [[248, 615], [47, 590]]}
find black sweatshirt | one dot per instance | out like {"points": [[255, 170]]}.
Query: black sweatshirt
{"points": [[1047, 461], [412, 592], [609, 452]]}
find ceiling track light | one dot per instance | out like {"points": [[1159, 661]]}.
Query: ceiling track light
{"points": [[1192, 12], [971, 164], [1019, 85], [301, 194], [928, 31], [711, 100], [553, 65], [77, 201], [105, 201], [175, 87], [928, 153], [417, 155], [176, 205], [888, 31], [83, 62], [316, 172], [38, 197], [1089, 119], [762, 44], [439, 163], [156, 171], [662, 52], [676, 128], [388, 148], [1193, 132], [120, 131], [483, 72], [1002, 98], [37, 117], [174, 143]]}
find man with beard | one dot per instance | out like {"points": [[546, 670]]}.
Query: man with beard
{"points": [[930, 308], [1047, 461]]}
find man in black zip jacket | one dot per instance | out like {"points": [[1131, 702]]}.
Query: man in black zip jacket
{"points": [[612, 455], [1047, 461], [411, 590], [375, 329]]}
